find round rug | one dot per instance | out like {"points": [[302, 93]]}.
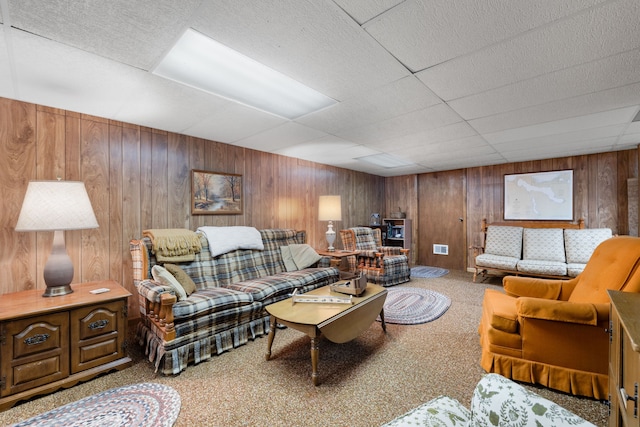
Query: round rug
{"points": [[137, 405], [424, 272], [410, 306]]}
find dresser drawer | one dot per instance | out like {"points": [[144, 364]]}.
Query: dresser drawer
{"points": [[97, 335], [35, 352]]}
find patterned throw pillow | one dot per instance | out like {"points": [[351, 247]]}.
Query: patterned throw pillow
{"points": [[161, 275], [182, 277], [500, 402], [441, 411]]}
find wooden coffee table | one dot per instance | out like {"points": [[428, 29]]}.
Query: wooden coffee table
{"points": [[339, 323]]}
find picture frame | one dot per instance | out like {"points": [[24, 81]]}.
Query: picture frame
{"points": [[539, 196], [216, 193]]}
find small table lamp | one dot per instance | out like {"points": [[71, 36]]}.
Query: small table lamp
{"points": [[56, 206], [330, 209]]}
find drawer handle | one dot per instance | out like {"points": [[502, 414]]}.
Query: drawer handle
{"points": [[100, 324], [36, 339], [626, 397]]}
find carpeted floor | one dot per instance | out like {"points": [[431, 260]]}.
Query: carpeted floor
{"points": [[365, 382]]}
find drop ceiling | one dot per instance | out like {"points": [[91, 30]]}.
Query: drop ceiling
{"points": [[436, 85]]}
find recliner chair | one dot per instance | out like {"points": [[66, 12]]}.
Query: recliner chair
{"points": [[555, 332], [384, 265]]}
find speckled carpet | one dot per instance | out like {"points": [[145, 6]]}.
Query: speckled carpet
{"points": [[363, 383]]}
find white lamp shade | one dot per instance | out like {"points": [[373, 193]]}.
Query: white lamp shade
{"points": [[330, 208], [56, 205]]}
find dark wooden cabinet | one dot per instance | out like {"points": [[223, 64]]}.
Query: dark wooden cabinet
{"points": [[54, 342]]}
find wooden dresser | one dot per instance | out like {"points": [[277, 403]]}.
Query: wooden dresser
{"points": [[51, 342], [624, 359]]}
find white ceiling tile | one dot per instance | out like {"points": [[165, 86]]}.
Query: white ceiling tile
{"points": [[443, 148], [612, 72], [7, 86], [81, 82], [538, 78], [282, 136], [316, 43], [389, 101], [610, 99], [455, 131], [459, 162], [630, 140], [590, 35], [162, 104], [233, 123], [634, 127], [131, 32], [581, 138], [422, 120], [318, 147], [570, 149], [364, 10], [602, 120], [423, 33]]}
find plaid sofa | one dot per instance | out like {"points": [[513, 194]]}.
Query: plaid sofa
{"points": [[228, 307]]}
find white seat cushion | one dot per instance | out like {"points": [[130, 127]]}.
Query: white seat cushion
{"points": [[537, 266], [497, 261]]}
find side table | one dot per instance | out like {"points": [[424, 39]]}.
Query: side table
{"points": [[55, 342], [339, 258]]}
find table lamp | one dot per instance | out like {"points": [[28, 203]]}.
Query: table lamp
{"points": [[56, 206], [330, 209]]}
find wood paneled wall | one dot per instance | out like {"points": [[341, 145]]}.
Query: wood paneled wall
{"points": [[599, 196], [139, 178], [599, 190]]}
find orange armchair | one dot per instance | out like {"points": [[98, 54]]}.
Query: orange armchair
{"points": [[555, 332]]}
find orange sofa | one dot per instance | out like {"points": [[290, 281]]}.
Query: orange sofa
{"points": [[555, 332]]}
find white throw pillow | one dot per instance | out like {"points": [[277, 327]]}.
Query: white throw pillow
{"points": [[287, 258], [298, 256], [162, 275]]}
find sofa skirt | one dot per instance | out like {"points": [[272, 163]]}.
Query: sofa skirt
{"points": [[171, 358], [578, 383]]}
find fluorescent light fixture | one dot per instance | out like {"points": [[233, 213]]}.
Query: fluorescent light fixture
{"points": [[202, 63], [385, 160]]}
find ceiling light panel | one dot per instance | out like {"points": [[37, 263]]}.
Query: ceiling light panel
{"points": [[201, 62]]}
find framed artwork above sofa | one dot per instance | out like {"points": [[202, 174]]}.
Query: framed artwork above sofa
{"points": [[539, 196], [215, 193]]}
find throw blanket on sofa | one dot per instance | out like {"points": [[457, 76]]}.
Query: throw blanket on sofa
{"points": [[174, 244], [227, 239]]}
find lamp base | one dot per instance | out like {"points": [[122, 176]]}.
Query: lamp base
{"points": [[56, 291], [58, 271], [331, 237]]}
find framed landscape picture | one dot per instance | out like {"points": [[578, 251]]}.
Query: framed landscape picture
{"points": [[539, 196], [214, 193]]}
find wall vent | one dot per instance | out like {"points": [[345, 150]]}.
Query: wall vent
{"points": [[441, 249]]}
